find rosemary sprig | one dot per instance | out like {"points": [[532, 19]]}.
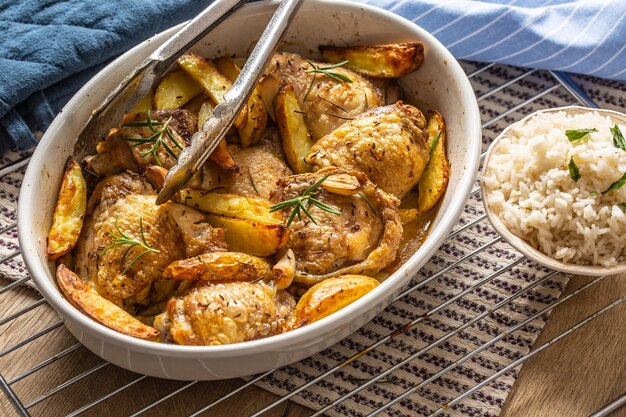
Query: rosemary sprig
{"points": [[337, 76], [121, 239], [302, 203], [157, 138]]}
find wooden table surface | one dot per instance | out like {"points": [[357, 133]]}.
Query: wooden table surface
{"points": [[573, 378]]}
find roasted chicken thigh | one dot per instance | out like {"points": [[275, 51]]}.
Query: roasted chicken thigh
{"points": [[329, 103], [219, 314], [131, 240], [362, 238], [387, 143]]}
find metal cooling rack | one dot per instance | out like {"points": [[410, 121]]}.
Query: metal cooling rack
{"points": [[555, 83]]}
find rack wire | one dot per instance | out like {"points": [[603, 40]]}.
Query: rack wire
{"points": [[88, 366]]}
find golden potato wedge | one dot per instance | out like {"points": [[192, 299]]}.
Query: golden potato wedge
{"points": [[248, 224], [87, 300], [257, 113], [221, 156], [206, 75], [255, 209], [330, 295], [408, 215], [144, 104], [297, 140], [380, 61], [67, 220], [174, 90], [243, 235], [434, 180], [268, 87], [219, 267]]}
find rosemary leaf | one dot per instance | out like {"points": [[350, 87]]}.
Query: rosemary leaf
{"points": [[574, 173], [576, 135], [622, 206], [301, 204], [157, 139], [121, 239], [336, 76], [618, 138], [323, 206]]}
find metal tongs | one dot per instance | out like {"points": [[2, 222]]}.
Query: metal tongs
{"points": [[204, 142], [139, 83]]}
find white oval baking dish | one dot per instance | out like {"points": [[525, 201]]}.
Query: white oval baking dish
{"points": [[441, 83]]}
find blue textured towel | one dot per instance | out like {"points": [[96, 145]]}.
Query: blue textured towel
{"points": [[50, 48]]}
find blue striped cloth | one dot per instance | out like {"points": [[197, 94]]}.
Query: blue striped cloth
{"points": [[50, 48]]}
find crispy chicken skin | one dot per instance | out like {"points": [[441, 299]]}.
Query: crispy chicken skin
{"points": [[260, 167], [329, 103], [387, 143], [124, 205], [363, 239], [219, 314]]}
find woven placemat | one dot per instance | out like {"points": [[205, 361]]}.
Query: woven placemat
{"points": [[489, 400]]}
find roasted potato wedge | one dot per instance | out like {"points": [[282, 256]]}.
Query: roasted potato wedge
{"points": [[219, 267], [330, 295], [379, 61], [243, 235], [87, 300], [221, 156], [175, 90], [434, 180], [248, 224], [144, 104], [297, 140], [206, 75], [255, 209], [67, 220], [257, 113]]}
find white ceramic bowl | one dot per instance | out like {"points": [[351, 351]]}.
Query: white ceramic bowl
{"points": [[440, 82], [519, 243]]}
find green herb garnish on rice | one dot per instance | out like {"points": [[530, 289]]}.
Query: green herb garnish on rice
{"points": [[573, 170], [576, 135], [618, 138]]}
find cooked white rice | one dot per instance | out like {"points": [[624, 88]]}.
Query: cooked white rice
{"points": [[529, 187]]}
